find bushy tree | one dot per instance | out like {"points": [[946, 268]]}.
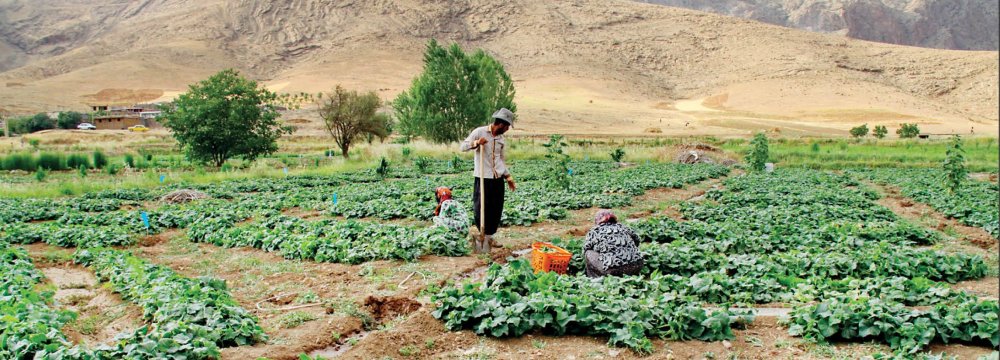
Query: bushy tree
{"points": [[69, 119], [455, 93], [225, 116], [349, 115], [908, 131], [30, 124], [758, 154], [880, 131], [859, 131], [954, 165]]}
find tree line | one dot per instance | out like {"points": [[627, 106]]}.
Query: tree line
{"points": [[229, 116]]}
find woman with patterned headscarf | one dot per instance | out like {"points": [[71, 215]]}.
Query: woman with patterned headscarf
{"points": [[450, 213], [611, 248]]}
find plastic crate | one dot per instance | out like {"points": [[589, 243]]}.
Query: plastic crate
{"points": [[557, 261]]}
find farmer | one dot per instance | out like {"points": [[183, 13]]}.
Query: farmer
{"points": [[611, 248], [490, 146], [450, 213]]}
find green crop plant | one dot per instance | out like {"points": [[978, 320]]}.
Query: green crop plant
{"points": [[758, 154]]}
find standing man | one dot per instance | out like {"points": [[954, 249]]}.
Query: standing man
{"points": [[490, 147]]}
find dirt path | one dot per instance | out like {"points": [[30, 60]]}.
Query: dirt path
{"points": [[266, 284], [424, 337], [102, 313], [959, 237], [926, 216]]}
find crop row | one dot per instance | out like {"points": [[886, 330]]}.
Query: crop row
{"points": [[513, 300], [793, 236], [533, 201], [700, 270], [329, 240], [66, 235], [29, 327], [907, 331], [974, 203]]}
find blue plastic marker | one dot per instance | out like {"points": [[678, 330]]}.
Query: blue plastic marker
{"points": [[162, 177], [335, 198], [285, 169], [571, 171], [586, 158], [451, 163], [145, 219]]}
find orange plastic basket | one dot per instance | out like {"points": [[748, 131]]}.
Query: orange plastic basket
{"points": [[557, 261]]}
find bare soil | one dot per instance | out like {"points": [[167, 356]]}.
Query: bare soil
{"points": [[925, 215], [579, 67], [102, 313]]}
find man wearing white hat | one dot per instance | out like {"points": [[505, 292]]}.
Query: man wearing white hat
{"points": [[490, 173]]}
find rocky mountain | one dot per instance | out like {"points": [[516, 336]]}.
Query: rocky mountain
{"points": [[579, 65], [941, 24]]}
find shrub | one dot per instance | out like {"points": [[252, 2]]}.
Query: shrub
{"points": [[558, 167], [76, 161], [859, 131], [908, 131], [41, 173], [758, 154], [100, 160], [954, 165], [130, 160], [19, 161], [51, 161], [383, 168], [422, 163], [618, 155], [880, 131]]}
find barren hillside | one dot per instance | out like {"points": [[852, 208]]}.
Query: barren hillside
{"points": [[941, 24], [581, 66]]}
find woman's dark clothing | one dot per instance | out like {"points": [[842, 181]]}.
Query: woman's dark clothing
{"points": [[612, 249]]}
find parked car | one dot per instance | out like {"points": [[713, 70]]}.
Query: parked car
{"points": [[86, 126], [139, 128]]}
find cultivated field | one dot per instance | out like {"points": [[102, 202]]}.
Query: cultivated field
{"points": [[326, 257]]}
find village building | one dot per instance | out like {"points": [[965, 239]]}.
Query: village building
{"points": [[107, 117]]}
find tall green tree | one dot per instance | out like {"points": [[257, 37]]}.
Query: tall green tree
{"points": [[954, 165], [69, 119], [454, 94], [349, 115], [758, 154], [225, 116]]}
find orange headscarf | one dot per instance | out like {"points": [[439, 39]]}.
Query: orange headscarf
{"points": [[442, 193]]}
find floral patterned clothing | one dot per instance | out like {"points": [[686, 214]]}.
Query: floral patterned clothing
{"points": [[453, 216]]}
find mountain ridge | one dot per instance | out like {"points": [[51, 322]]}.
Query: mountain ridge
{"points": [[586, 63]]}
